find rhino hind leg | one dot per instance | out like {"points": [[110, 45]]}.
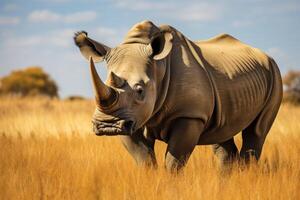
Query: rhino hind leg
{"points": [[255, 134], [252, 144], [226, 152], [140, 148]]}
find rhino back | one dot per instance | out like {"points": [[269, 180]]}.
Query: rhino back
{"points": [[242, 79]]}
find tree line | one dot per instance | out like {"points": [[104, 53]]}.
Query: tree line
{"points": [[34, 81]]}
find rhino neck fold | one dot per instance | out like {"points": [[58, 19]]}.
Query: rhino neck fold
{"points": [[167, 91], [163, 87]]}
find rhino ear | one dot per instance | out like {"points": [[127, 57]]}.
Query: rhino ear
{"points": [[90, 48], [161, 45]]}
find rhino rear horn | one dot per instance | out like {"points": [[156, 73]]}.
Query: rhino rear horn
{"points": [[115, 80]]}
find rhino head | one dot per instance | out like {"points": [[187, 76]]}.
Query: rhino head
{"points": [[126, 100]]}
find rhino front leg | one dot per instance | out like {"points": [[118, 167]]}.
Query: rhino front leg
{"points": [[184, 137], [141, 148]]}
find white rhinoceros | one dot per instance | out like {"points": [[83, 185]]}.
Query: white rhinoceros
{"points": [[161, 85]]}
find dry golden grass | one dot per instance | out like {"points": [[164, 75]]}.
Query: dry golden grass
{"points": [[48, 151]]}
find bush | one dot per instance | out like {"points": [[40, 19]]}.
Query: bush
{"points": [[31, 81], [291, 97], [290, 77], [74, 98], [292, 84]]}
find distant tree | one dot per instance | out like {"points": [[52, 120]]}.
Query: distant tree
{"points": [[74, 98], [290, 77], [292, 83], [31, 81]]}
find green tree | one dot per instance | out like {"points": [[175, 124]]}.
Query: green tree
{"points": [[30, 81]]}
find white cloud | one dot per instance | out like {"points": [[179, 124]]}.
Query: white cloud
{"points": [[62, 38], [43, 16], [9, 20], [38, 16], [141, 4], [198, 12], [80, 17], [192, 11], [58, 38]]}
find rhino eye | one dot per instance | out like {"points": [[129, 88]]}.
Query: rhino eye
{"points": [[139, 90]]}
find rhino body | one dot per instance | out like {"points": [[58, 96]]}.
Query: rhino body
{"points": [[196, 93]]}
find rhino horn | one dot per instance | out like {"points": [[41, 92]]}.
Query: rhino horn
{"points": [[105, 95], [115, 80]]}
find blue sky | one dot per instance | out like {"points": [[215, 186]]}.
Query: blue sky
{"points": [[39, 32]]}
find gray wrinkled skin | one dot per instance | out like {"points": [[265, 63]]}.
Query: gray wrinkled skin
{"points": [[163, 86]]}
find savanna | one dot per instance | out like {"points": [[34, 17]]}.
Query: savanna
{"points": [[49, 151], [48, 122]]}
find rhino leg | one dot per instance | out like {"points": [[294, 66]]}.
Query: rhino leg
{"points": [[254, 135], [184, 135], [226, 152], [141, 148], [252, 145], [253, 140]]}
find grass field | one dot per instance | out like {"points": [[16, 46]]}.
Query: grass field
{"points": [[48, 151]]}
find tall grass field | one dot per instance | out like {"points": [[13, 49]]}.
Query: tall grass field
{"points": [[48, 151]]}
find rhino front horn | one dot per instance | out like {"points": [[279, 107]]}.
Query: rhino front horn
{"points": [[105, 95]]}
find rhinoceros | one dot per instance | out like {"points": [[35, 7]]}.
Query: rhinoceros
{"points": [[163, 86]]}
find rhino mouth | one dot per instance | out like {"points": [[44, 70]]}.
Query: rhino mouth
{"points": [[115, 127]]}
